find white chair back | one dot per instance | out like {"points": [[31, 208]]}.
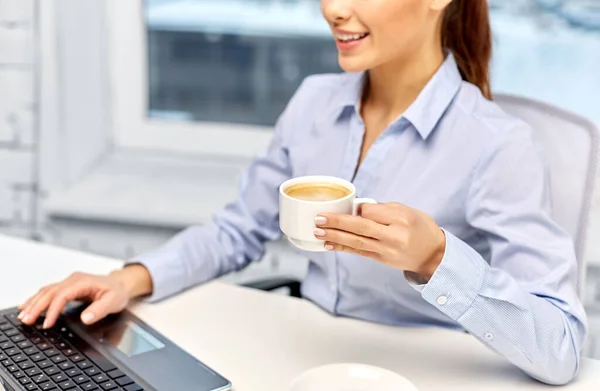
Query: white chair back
{"points": [[571, 146]]}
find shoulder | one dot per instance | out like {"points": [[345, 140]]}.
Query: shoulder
{"points": [[486, 124]]}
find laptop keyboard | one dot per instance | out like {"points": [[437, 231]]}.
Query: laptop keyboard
{"points": [[55, 359]]}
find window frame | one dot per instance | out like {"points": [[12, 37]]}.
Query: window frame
{"points": [[132, 128]]}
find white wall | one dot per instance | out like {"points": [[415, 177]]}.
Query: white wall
{"points": [[17, 116]]}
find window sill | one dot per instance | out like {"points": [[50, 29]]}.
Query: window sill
{"points": [[133, 188], [173, 192]]}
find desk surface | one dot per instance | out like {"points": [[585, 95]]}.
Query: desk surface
{"points": [[261, 341]]}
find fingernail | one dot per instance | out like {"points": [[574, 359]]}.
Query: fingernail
{"points": [[87, 318], [329, 247], [320, 220], [45, 325], [20, 316], [319, 232], [26, 318]]}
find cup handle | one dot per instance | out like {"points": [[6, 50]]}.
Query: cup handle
{"points": [[358, 202]]}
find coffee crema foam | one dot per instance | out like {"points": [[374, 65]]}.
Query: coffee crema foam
{"points": [[317, 191]]}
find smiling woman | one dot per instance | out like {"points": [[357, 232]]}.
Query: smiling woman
{"points": [[462, 237]]}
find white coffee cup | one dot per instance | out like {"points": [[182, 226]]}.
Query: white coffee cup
{"points": [[297, 217]]}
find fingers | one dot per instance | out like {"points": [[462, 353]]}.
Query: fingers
{"points": [[34, 307], [353, 224], [383, 213], [355, 251], [99, 309], [60, 300], [348, 239], [43, 300]]}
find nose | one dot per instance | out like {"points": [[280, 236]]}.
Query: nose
{"points": [[336, 11]]}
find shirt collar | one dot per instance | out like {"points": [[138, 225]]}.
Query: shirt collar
{"points": [[429, 107]]}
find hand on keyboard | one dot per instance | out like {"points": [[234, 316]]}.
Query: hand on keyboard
{"points": [[107, 294]]}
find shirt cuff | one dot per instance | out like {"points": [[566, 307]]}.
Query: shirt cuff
{"points": [[457, 281], [168, 278]]}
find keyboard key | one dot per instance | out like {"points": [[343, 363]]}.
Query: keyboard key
{"points": [[81, 379], [31, 387], [115, 374], [6, 345], [18, 338], [24, 345], [11, 332], [12, 318], [100, 361], [62, 345], [66, 365], [33, 372], [53, 340], [18, 374], [59, 378], [36, 340], [123, 381], [101, 378], [12, 352], [109, 385], [5, 327], [69, 352], [6, 363], [37, 357], [73, 372], [45, 364], [51, 352], [66, 385], [76, 358], [41, 378], [89, 387], [3, 357], [25, 380], [93, 371], [26, 365], [12, 368], [51, 371], [3, 338], [58, 359], [47, 386], [44, 345], [84, 364], [19, 358], [31, 351]]}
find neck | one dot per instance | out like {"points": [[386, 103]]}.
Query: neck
{"points": [[394, 86]]}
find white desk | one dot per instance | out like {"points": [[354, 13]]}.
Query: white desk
{"points": [[261, 341]]}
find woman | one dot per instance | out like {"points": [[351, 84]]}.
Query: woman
{"points": [[462, 237]]}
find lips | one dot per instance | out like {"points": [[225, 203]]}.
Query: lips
{"points": [[348, 41], [349, 37]]}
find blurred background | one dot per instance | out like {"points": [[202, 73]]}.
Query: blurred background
{"points": [[122, 122]]}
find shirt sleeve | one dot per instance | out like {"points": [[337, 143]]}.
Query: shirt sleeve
{"points": [[237, 234], [523, 303]]}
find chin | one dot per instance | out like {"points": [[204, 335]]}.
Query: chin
{"points": [[355, 64]]}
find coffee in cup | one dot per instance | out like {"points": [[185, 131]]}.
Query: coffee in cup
{"points": [[317, 191], [302, 199]]}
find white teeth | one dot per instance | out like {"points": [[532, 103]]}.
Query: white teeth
{"points": [[350, 37]]}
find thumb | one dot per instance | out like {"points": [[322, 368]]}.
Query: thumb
{"points": [[99, 309]]}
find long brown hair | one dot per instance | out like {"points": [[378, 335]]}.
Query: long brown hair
{"points": [[466, 32]]}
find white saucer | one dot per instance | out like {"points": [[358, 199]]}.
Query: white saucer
{"points": [[350, 377]]}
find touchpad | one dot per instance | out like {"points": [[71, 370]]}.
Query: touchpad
{"points": [[129, 338]]}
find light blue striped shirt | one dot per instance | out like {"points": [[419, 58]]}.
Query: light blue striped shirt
{"points": [[509, 273]]}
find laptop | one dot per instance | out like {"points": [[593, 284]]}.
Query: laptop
{"points": [[119, 353]]}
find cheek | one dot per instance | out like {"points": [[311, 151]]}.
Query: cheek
{"points": [[396, 26]]}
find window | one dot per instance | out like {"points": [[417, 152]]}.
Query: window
{"points": [[191, 75], [233, 61]]}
